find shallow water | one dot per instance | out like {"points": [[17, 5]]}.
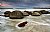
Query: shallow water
{"points": [[35, 24]]}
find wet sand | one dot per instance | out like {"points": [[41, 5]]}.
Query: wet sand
{"points": [[35, 24]]}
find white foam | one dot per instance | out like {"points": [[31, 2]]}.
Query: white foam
{"points": [[46, 14]]}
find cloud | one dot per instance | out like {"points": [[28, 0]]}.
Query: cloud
{"points": [[44, 5], [14, 5], [25, 3], [4, 4]]}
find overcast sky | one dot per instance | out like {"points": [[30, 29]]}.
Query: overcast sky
{"points": [[25, 3]]}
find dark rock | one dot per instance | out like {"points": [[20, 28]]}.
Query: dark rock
{"points": [[22, 24], [44, 12], [48, 12], [7, 13], [0, 23]]}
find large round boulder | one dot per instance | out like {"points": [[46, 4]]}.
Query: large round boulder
{"points": [[16, 15]]}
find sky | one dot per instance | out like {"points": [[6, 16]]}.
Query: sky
{"points": [[24, 3]]}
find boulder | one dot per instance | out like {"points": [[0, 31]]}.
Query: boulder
{"points": [[28, 12], [36, 13], [22, 24], [44, 12], [25, 14], [16, 15], [7, 13]]}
